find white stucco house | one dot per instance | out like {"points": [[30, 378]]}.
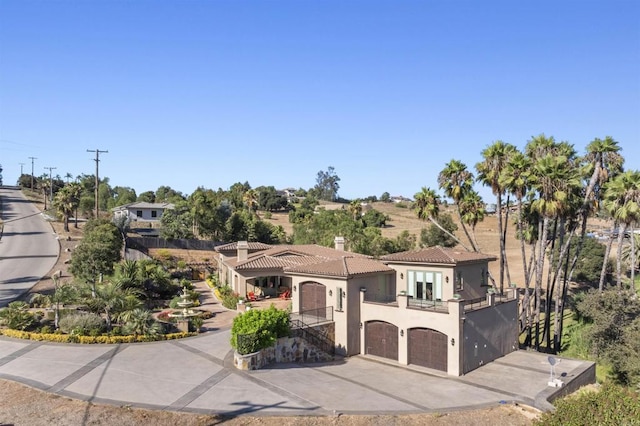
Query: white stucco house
{"points": [[431, 307], [142, 211]]}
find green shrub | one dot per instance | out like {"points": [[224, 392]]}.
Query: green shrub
{"points": [[258, 329], [195, 324], [46, 330], [17, 316], [230, 301], [612, 405], [82, 324]]}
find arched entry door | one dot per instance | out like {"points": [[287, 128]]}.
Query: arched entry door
{"points": [[428, 348], [313, 297], [381, 339]]}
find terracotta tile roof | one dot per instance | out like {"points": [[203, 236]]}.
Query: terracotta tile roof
{"points": [[310, 258], [438, 255], [346, 267], [263, 262], [309, 250], [253, 246]]}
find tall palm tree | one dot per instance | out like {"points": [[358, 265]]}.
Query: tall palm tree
{"points": [[473, 211], [622, 200], [427, 206], [515, 179], [456, 181], [553, 178], [496, 157]]}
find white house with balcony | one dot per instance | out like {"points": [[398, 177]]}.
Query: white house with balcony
{"points": [[142, 211]]}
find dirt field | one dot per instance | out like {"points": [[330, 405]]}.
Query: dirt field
{"points": [[21, 405], [402, 219]]}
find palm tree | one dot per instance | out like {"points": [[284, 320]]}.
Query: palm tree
{"points": [[140, 322], [250, 199], [456, 181], [515, 179], [496, 158], [554, 180], [75, 189], [110, 298], [427, 205], [622, 200], [68, 176], [64, 204], [355, 208], [473, 211]]}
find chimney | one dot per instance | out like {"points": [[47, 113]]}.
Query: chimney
{"points": [[243, 250], [339, 243]]}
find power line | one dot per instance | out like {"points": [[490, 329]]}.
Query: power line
{"points": [[97, 160], [32, 158], [51, 184]]}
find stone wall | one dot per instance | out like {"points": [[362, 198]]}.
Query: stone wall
{"points": [[286, 350]]}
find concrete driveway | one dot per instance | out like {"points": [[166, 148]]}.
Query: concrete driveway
{"points": [[197, 375]]}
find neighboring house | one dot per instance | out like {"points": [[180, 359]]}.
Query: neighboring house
{"points": [[429, 307], [400, 199], [142, 211]]}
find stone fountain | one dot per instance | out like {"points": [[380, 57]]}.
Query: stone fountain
{"points": [[182, 316]]}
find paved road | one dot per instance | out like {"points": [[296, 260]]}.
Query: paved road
{"points": [[197, 375], [28, 249]]}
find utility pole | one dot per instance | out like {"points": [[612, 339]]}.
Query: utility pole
{"points": [[50, 184], [21, 164], [97, 160], [32, 158]]}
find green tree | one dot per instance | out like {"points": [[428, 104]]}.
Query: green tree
{"points": [[434, 236], [327, 185], [611, 405], [622, 201], [123, 195], [147, 197], [98, 251], [427, 206], [177, 223], [65, 203], [496, 157], [374, 218], [457, 181], [63, 294], [385, 197]]}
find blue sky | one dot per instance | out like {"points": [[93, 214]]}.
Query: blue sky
{"points": [[208, 93]]}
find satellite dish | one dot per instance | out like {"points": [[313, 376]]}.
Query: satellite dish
{"points": [[551, 360]]}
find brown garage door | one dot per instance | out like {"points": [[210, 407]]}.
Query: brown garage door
{"points": [[428, 348], [314, 297], [381, 339]]}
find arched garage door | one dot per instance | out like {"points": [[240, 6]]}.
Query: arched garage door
{"points": [[381, 339], [314, 297], [428, 348]]}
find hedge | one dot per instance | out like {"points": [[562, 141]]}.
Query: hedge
{"points": [[70, 338]]}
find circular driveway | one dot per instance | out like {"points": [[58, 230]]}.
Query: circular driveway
{"points": [[197, 375]]}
